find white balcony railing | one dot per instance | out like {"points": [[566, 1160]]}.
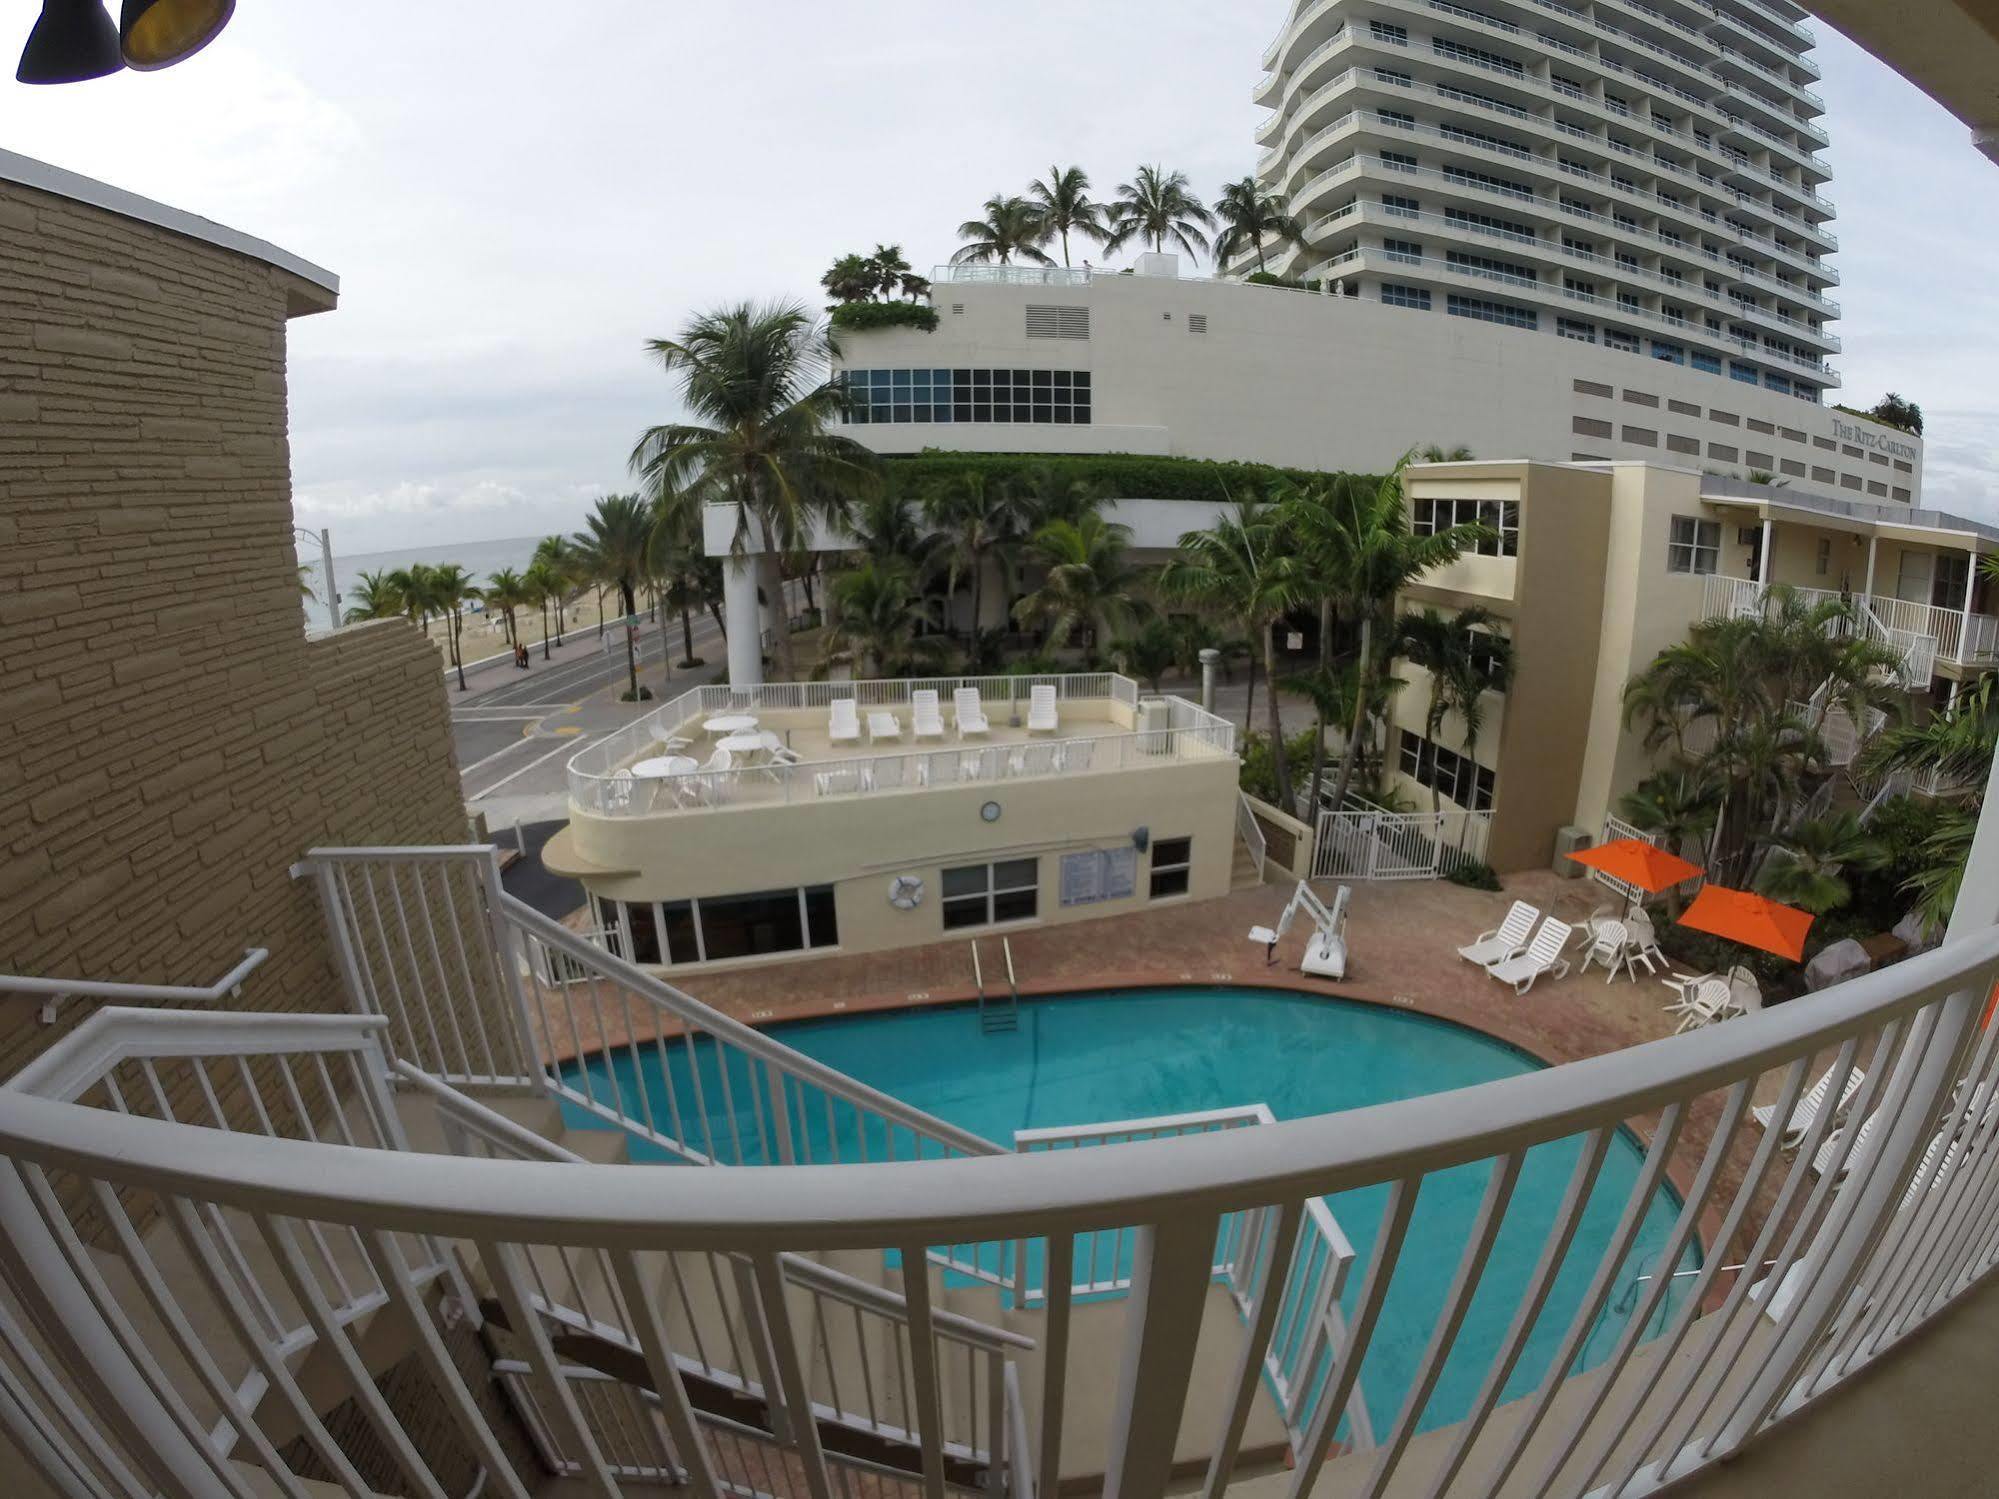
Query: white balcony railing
{"points": [[1921, 634], [1883, 1217], [601, 783]]}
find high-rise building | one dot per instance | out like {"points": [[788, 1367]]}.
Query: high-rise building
{"points": [[1639, 176]]}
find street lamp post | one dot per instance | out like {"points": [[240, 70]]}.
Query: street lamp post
{"points": [[325, 540]]}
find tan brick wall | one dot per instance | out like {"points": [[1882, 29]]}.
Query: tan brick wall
{"points": [[169, 741]]}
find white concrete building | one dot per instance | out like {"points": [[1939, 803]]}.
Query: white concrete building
{"points": [[1618, 173]]}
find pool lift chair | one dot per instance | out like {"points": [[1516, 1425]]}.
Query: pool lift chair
{"points": [[1326, 953]]}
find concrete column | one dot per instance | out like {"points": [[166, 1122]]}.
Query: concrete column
{"points": [[1873, 543], [1210, 658], [770, 574], [745, 621], [1763, 562], [1964, 615]]}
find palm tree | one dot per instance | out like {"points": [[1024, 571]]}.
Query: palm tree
{"points": [[1244, 567], [543, 585], [451, 589], [505, 592], [415, 586], [1439, 646], [375, 597], [974, 519], [1331, 691], [1062, 202], [560, 558], [1676, 807], [1354, 539], [884, 526], [754, 378], [1433, 452], [882, 620], [1148, 653], [678, 564], [1012, 227], [1157, 206], [1090, 583], [1808, 863], [1249, 216], [614, 547]]}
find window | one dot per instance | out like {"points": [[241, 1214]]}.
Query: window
{"points": [[1492, 312], [1398, 159], [1825, 556], [1476, 56], [1746, 373], [1408, 251], [982, 894], [718, 927], [1501, 517], [1512, 228], [1397, 118], [1457, 776], [1172, 866], [1615, 338], [1475, 265], [1396, 295], [1577, 329], [1058, 397], [1465, 177], [1384, 32], [1701, 360], [1694, 546], [1406, 208]]}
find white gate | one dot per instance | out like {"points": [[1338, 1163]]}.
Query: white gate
{"points": [[1369, 844]]}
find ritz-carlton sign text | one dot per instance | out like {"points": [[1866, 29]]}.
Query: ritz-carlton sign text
{"points": [[1860, 437]]}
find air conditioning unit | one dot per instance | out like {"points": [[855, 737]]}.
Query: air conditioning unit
{"points": [[1571, 840], [1155, 726]]}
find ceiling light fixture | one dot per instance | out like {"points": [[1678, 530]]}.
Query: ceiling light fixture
{"points": [[156, 34], [71, 41]]}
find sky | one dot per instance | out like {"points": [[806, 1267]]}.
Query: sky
{"points": [[517, 196]]}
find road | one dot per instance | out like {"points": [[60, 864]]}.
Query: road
{"points": [[516, 730]]}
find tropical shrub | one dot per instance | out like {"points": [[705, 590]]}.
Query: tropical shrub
{"points": [[856, 317], [1271, 278], [1124, 474], [1259, 767], [1474, 874]]}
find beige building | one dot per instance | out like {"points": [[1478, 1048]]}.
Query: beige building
{"points": [[887, 841], [1602, 566]]}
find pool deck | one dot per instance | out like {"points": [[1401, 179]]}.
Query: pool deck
{"points": [[1402, 940]]}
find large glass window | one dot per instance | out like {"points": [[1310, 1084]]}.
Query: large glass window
{"points": [[1397, 295], [1491, 312], [717, 927], [1442, 769], [1172, 866], [1501, 517], [1058, 397], [1694, 546], [982, 894]]}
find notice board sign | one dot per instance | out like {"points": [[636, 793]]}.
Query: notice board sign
{"points": [[1098, 875]]}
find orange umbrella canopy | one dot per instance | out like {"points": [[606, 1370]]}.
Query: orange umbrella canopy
{"points": [[1636, 862], [1751, 919]]}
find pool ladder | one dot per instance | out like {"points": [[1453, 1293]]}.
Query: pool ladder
{"points": [[997, 1014]]}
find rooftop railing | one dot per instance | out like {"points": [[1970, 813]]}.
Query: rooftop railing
{"points": [[601, 783]]}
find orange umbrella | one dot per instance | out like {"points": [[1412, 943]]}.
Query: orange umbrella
{"points": [[1751, 919], [1636, 862]]}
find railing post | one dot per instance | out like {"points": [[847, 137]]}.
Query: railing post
{"points": [[505, 961], [334, 913], [780, 1113], [1172, 1264]]}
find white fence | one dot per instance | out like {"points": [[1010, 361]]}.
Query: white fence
{"points": [[600, 781], [1251, 832], [1371, 844]]}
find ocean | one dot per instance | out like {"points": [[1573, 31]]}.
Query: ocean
{"points": [[479, 558]]}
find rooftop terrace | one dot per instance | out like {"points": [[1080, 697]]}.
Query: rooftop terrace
{"points": [[695, 755]]}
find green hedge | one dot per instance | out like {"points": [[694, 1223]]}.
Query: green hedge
{"points": [[1271, 278], [853, 317], [1122, 475]]}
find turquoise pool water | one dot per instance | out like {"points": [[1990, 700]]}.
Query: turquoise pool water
{"points": [[1142, 1053]]}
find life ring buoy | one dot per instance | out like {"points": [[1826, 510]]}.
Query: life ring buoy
{"points": [[905, 892]]}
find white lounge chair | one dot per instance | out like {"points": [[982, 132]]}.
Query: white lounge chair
{"points": [[968, 715], [1507, 940], [883, 724], [843, 726], [1828, 1153], [1806, 1111], [1543, 955], [925, 720], [1042, 717]]}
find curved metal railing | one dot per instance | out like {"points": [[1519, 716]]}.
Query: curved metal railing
{"points": [[1877, 1222]]}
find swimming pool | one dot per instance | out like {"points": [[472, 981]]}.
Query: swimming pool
{"points": [[1143, 1053]]}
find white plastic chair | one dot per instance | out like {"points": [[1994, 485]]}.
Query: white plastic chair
{"points": [[1543, 955], [1042, 717], [618, 794], [925, 719], [843, 726], [968, 716], [1709, 1001], [1610, 945], [883, 724], [666, 738], [1805, 1112], [1507, 940]]}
